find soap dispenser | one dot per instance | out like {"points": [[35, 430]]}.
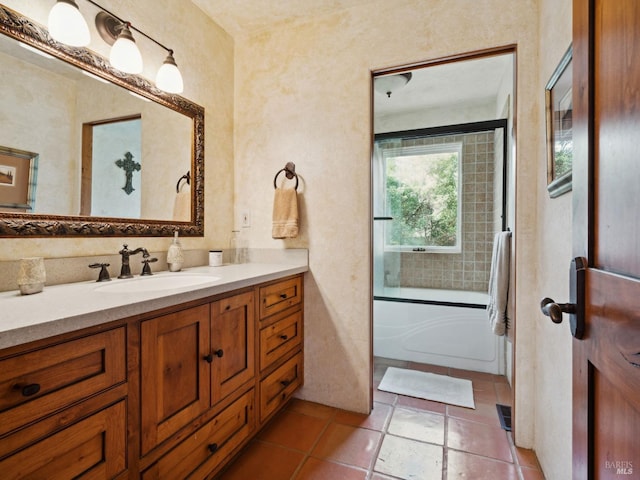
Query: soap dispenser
{"points": [[175, 257]]}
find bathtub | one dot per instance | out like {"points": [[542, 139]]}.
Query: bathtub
{"points": [[438, 327]]}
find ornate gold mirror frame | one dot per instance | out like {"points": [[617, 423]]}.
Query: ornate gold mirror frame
{"points": [[26, 31]]}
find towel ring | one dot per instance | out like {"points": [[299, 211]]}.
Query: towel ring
{"points": [[289, 171], [187, 177]]}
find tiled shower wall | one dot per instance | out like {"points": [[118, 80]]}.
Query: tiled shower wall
{"points": [[468, 270]]}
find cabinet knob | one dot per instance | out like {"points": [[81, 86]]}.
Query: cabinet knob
{"points": [[285, 383], [283, 337], [31, 389], [283, 295], [218, 353], [213, 447]]}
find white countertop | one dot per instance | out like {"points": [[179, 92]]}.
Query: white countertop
{"points": [[74, 306]]}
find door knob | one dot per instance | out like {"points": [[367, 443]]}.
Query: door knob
{"points": [[555, 310], [575, 308]]}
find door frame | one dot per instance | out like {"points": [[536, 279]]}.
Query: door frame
{"points": [[510, 161]]}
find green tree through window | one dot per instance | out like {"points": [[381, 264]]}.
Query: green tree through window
{"points": [[422, 196]]}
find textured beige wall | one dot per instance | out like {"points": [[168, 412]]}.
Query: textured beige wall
{"points": [[204, 53], [303, 94], [553, 351]]}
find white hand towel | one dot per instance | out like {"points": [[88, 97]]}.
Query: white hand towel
{"points": [[182, 205], [285, 213], [499, 283]]}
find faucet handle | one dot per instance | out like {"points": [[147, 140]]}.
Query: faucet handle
{"points": [[103, 276], [146, 269]]}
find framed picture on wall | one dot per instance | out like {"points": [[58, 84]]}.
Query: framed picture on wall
{"points": [[18, 172], [559, 110]]}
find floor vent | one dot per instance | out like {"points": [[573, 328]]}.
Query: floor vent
{"points": [[504, 413]]}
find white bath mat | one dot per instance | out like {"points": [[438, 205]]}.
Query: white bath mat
{"points": [[429, 386]]}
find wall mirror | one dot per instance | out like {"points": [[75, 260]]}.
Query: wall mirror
{"points": [[132, 182]]}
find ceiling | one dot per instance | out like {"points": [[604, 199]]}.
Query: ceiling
{"points": [[241, 16], [470, 82]]}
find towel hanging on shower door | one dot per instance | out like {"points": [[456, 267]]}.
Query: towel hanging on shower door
{"points": [[499, 283]]}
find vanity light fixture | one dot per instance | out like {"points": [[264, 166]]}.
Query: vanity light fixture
{"points": [[117, 33], [169, 77], [67, 25], [124, 54], [388, 84]]}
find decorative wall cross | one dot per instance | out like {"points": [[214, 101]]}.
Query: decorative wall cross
{"points": [[129, 165]]}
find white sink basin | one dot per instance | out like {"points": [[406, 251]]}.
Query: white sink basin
{"points": [[155, 283]]}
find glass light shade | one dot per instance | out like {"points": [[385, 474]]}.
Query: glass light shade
{"points": [[124, 54], [67, 25], [391, 83], [169, 77]]}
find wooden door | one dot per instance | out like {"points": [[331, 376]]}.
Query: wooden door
{"points": [[232, 344], [606, 182], [174, 373]]}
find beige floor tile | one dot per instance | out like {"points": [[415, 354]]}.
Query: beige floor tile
{"points": [[461, 465], [409, 459], [417, 425]]}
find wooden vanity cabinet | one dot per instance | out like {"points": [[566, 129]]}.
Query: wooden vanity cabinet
{"points": [[167, 395]]}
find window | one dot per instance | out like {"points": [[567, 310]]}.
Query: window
{"points": [[422, 194]]}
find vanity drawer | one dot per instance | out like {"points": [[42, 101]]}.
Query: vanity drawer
{"points": [[280, 296], [279, 338], [278, 387], [94, 447], [38, 383], [201, 453]]}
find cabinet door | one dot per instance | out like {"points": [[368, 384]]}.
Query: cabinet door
{"points": [[232, 344], [175, 374]]}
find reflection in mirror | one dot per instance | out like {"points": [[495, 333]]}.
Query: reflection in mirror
{"points": [[99, 191], [97, 173]]}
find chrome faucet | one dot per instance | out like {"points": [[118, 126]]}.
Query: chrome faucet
{"points": [[125, 270]]}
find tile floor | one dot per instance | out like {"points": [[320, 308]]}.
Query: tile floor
{"points": [[402, 438]]}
